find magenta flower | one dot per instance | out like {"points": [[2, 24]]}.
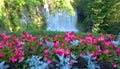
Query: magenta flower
{"points": [[1, 47], [67, 52], [2, 55], [105, 51], [90, 34], [21, 59], [82, 53], [98, 51], [5, 36], [16, 40], [63, 45], [70, 36], [59, 51], [40, 43], [110, 36], [19, 52], [101, 39], [108, 43], [81, 41], [56, 44], [58, 36], [89, 40], [46, 53], [49, 60], [115, 65], [29, 36], [13, 59], [118, 51]]}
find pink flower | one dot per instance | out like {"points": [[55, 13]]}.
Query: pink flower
{"points": [[20, 48], [108, 43], [68, 55], [115, 65], [2, 55], [92, 53], [49, 60], [40, 43], [16, 40], [82, 53], [70, 36], [5, 36], [67, 52], [18, 53], [40, 57], [57, 36], [89, 40], [81, 41], [13, 59], [21, 59], [90, 34], [118, 51], [105, 51], [46, 53], [1, 47], [56, 44], [110, 36], [63, 45], [98, 51], [59, 51], [29, 36], [101, 39], [33, 39], [24, 33]]}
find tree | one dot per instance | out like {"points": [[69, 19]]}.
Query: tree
{"points": [[99, 15]]}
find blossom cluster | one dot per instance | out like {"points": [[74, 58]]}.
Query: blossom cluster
{"points": [[15, 49]]}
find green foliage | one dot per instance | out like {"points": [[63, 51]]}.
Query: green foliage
{"points": [[15, 14], [100, 15], [44, 32], [60, 5], [14, 10], [96, 15]]}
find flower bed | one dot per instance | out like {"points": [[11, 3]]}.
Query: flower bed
{"points": [[68, 51]]}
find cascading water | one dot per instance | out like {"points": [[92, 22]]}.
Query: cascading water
{"points": [[61, 21]]}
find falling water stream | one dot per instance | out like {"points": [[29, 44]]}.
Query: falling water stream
{"points": [[61, 21]]}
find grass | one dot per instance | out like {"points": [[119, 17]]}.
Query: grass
{"points": [[44, 32]]}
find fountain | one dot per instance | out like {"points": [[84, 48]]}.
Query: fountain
{"points": [[60, 20]]}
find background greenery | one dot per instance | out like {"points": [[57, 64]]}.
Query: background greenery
{"points": [[96, 15]]}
